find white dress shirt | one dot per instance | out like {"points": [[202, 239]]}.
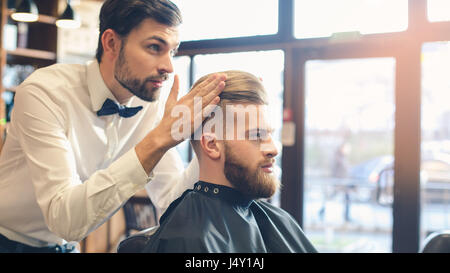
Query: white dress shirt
{"points": [[64, 171]]}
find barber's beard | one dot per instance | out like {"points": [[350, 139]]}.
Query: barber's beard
{"points": [[251, 182], [137, 87]]}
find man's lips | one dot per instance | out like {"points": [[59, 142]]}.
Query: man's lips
{"points": [[156, 83], [268, 168]]}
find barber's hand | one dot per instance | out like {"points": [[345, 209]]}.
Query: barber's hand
{"points": [[185, 110], [156, 143]]}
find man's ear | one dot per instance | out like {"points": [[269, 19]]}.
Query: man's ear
{"points": [[111, 43], [210, 146]]}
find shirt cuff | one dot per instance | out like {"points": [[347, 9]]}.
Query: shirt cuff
{"points": [[128, 173]]}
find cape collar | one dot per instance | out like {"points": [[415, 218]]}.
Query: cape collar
{"points": [[228, 194]]}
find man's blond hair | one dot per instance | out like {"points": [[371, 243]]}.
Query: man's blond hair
{"points": [[240, 88]]}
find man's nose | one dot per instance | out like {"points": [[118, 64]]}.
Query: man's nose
{"points": [[269, 149], [166, 65]]}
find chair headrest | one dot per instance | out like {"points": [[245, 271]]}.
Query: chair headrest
{"points": [[437, 242], [136, 242]]}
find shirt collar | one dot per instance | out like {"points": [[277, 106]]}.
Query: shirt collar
{"points": [[98, 90]]}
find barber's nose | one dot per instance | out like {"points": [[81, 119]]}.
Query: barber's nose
{"points": [[166, 65], [269, 149]]}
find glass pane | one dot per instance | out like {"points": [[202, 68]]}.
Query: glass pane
{"points": [[438, 10], [208, 19], [349, 129], [322, 18], [435, 166], [271, 74]]}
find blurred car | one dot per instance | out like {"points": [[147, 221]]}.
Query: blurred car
{"points": [[378, 174], [436, 171], [366, 176], [368, 172], [435, 177]]}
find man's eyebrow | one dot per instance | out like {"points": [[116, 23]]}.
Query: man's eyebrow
{"points": [[155, 37], [161, 40]]}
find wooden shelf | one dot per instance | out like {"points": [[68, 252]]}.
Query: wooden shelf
{"points": [[40, 39], [46, 19], [33, 53]]}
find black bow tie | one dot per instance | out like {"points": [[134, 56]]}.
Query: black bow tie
{"points": [[110, 108]]}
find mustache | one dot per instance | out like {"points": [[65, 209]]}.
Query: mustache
{"points": [[162, 77], [267, 162]]}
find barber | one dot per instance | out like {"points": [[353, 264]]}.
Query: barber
{"points": [[83, 139]]}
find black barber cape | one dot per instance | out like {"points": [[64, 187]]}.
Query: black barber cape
{"points": [[217, 219]]}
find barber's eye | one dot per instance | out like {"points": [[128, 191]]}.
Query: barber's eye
{"points": [[154, 47]]}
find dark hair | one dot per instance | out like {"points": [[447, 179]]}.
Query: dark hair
{"points": [[123, 16]]}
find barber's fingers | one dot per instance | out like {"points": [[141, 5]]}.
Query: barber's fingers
{"points": [[214, 88], [210, 88], [212, 105], [213, 94], [194, 91], [209, 108], [205, 112]]}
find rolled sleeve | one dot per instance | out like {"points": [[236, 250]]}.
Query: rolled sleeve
{"points": [[128, 173]]}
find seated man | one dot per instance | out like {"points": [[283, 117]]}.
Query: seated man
{"points": [[223, 212]]}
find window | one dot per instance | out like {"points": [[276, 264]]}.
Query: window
{"points": [[322, 18], [435, 146], [349, 128], [438, 10], [208, 19]]}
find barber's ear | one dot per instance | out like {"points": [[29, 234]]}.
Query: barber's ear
{"points": [[210, 146], [111, 43]]}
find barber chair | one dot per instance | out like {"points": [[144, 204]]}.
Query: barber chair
{"points": [[437, 242], [136, 242], [140, 213]]}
